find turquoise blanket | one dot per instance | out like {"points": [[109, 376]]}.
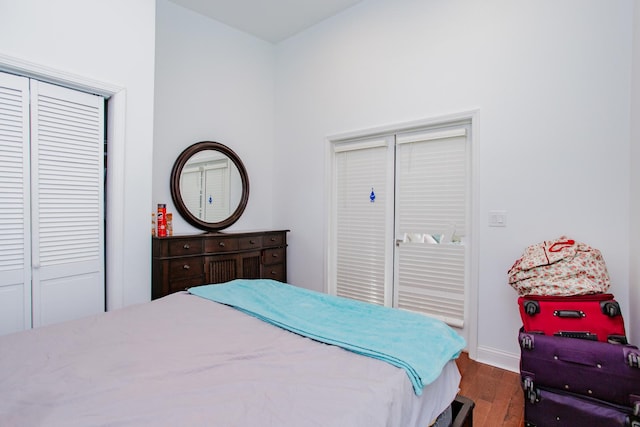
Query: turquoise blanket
{"points": [[419, 344]]}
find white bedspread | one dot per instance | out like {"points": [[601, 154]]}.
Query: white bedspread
{"points": [[186, 361]]}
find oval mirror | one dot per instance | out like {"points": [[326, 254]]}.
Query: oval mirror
{"points": [[209, 185]]}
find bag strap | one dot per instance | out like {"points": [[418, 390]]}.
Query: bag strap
{"points": [[561, 245]]}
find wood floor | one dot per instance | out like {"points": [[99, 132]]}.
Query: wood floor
{"points": [[497, 394]]}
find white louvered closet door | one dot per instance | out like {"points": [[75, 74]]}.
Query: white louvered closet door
{"points": [[216, 195], [67, 203], [15, 228]]}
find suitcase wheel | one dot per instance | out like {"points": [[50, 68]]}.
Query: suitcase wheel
{"points": [[633, 360], [530, 392], [533, 396], [531, 307], [610, 308], [636, 409], [617, 339], [526, 342]]}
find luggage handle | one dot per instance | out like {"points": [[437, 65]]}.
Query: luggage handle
{"points": [[569, 314], [562, 245], [578, 358]]}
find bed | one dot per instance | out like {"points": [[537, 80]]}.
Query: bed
{"points": [[189, 360]]}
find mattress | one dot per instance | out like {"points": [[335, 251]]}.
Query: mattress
{"points": [[184, 360]]}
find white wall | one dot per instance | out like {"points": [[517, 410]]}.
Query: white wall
{"points": [[111, 43], [634, 282], [551, 81], [213, 83]]}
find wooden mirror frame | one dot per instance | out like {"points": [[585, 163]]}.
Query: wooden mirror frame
{"points": [[176, 194]]}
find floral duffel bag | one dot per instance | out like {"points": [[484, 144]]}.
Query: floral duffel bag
{"points": [[560, 267]]}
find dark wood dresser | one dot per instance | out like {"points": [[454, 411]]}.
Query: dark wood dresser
{"points": [[183, 261]]}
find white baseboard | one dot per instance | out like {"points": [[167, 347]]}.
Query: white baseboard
{"points": [[499, 358]]}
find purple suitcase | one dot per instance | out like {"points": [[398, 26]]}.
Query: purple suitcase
{"points": [[599, 370], [557, 408]]}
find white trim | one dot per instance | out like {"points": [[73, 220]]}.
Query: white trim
{"points": [[474, 245], [361, 145], [409, 126], [29, 69], [430, 136], [116, 117], [114, 233], [498, 358]]}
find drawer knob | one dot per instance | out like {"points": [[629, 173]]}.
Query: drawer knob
{"points": [[252, 242], [274, 255], [221, 244], [186, 246], [186, 266]]}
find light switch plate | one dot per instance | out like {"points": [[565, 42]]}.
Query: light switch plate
{"points": [[497, 218]]}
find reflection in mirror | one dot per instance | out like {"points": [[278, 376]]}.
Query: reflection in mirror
{"points": [[210, 185]]}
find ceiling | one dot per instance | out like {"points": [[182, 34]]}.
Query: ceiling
{"points": [[270, 20]]}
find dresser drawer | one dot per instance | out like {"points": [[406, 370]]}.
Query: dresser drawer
{"points": [[185, 283], [253, 242], [273, 256], [275, 239], [185, 268], [221, 244], [184, 247], [275, 272]]}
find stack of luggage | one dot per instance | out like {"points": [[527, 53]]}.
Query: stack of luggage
{"points": [[576, 366]]}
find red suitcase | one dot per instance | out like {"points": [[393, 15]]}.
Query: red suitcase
{"points": [[595, 317]]}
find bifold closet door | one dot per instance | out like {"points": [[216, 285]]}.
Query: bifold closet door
{"points": [[51, 204], [15, 227], [67, 203]]}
